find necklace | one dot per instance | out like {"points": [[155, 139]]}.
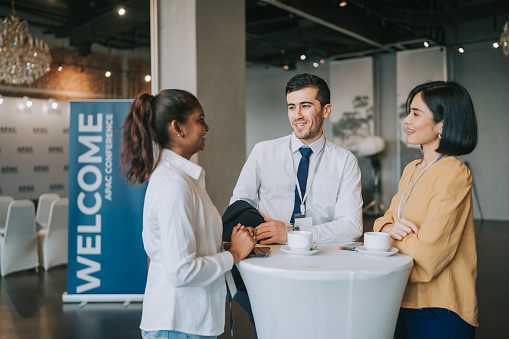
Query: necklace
{"points": [[401, 203]]}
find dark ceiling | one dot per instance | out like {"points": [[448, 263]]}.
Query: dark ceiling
{"points": [[278, 32]]}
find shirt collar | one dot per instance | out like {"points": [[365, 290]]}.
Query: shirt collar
{"points": [[188, 167], [316, 146]]}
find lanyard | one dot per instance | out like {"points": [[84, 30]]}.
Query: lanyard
{"points": [[400, 208], [310, 182]]}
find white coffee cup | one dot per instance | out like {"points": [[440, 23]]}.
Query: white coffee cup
{"points": [[300, 240], [377, 241]]}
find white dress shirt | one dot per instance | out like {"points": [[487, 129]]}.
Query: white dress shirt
{"points": [[182, 235], [334, 201]]}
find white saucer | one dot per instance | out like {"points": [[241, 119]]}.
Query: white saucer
{"points": [[363, 250], [312, 251]]}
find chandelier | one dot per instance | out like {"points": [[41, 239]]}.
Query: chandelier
{"points": [[504, 39], [22, 58]]}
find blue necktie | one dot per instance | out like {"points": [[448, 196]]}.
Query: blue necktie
{"points": [[302, 177]]}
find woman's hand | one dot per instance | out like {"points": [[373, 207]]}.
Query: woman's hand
{"points": [[401, 229], [242, 242]]}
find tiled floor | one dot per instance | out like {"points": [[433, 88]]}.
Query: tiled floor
{"points": [[31, 305]]}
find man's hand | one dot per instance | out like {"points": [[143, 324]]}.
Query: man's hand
{"points": [[401, 229], [271, 232]]}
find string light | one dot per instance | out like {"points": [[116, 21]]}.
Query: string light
{"points": [[27, 101], [303, 57], [121, 11], [148, 78], [53, 103], [107, 74]]}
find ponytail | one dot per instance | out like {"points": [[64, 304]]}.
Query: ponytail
{"points": [[137, 154], [147, 123]]}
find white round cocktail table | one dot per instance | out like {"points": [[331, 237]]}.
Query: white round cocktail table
{"points": [[331, 294]]}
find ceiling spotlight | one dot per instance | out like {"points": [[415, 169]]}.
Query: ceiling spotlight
{"points": [[107, 74], [148, 78], [495, 45], [322, 61], [461, 50], [343, 4], [53, 103], [121, 11], [60, 68], [315, 64], [286, 67], [426, 44], [1, 99], [27, 101], [303, 57]]}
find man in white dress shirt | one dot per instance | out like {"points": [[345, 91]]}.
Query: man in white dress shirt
{"points": [[330, 204]]}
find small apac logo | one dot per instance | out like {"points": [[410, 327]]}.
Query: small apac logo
{"points": [[41, 168], [24, 109], [26, 188], [8, 130], [9, 169], [40, 130], [56, 187], [56, 111], [56, 149], [25, 149]]}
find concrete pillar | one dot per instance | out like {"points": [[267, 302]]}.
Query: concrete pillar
{"points": [[201, 48]]}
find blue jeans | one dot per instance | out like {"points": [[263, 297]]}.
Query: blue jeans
{"points": [[436, 323], [172, 335]]}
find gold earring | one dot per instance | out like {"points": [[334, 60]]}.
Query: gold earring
{"points": [[439, 135]]}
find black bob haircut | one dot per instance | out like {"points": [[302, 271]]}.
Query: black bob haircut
{"points": [[450, 102], [305, 80]]}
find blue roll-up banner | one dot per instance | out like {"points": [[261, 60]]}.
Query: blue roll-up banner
{"points": [[106, 254]]}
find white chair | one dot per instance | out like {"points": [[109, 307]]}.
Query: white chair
{"points": [[43, 206], [18, 246], [5, 200], [52, 240]]}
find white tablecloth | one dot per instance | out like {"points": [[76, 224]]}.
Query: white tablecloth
{"points": [[331, 294]]}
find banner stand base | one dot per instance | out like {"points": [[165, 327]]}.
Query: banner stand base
{"points": [[84, 299]]}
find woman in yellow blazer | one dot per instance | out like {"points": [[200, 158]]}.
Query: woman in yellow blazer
{"points": [[431, 216]]}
